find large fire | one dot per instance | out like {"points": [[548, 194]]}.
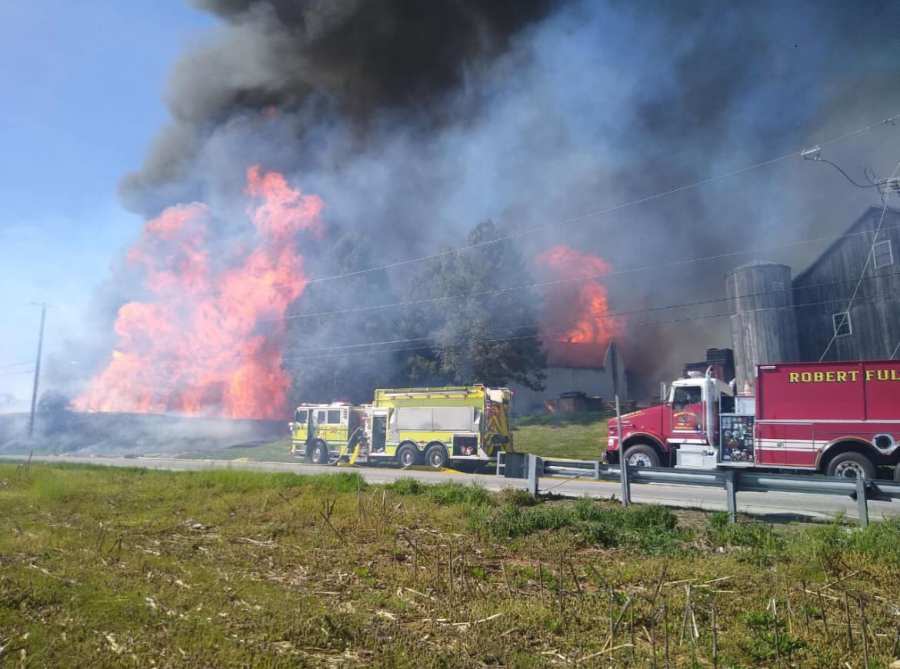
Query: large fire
{"points": [[576, 327], [207, 339]]}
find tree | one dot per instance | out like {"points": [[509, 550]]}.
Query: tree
{"points": [[481, 326]]}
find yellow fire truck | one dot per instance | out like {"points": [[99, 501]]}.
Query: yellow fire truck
{"points": [[408, 426], [320, 433]]}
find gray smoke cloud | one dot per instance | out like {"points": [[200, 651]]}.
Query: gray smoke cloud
{"points": [[416, 120]]}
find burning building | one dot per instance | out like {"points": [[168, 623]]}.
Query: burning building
{"points": [[575, 368], [577, 330]]}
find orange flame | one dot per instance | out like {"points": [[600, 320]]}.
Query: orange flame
{"points": [[576, 328], [208, 338]]}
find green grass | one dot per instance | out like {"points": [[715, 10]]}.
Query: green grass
{"points": [[576, 436], [112, 567]]}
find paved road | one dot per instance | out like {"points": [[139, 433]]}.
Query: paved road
{"points": [[772, 505]]}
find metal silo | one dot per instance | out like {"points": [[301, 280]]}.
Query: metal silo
{"points": [[763, 322]]}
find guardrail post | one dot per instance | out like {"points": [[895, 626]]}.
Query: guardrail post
{"points": [[731, 494], [596, 470], [533, 477], [862, 504]]}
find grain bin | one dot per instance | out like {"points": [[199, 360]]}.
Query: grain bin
{"points": [[763, 322]]}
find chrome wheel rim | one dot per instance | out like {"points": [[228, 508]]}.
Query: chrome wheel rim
{"points": [[407, 458], [639, 460], [850, 470]]}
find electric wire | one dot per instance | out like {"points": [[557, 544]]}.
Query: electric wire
{"points": [[629, 312], [17, 373], [685, 319], [674, 321], [555, 282], [16, 364], [891, 120], [846, 176]]}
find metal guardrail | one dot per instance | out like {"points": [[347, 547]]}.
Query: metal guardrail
{"points": [[732, 481]]}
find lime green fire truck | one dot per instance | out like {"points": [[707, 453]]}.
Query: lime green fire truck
{"points": [[438, 426], [321, 432]]}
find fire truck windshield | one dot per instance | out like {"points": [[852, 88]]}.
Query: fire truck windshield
{"points": [[684, 396]]}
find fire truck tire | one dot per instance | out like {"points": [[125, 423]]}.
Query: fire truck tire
{"points": [[850, 465], [642, 455], [407, 455], [320, 453], [436, 456]]}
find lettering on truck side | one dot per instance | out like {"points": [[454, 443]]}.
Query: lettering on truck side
{"points": [[850, 376]]}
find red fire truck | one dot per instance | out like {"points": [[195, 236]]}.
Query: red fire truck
{"points": [[838, 418]]}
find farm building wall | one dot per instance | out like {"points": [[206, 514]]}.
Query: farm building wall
{"points": [[593, 381], [822, 293]]}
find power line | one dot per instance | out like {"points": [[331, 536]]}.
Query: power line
{"points": [[686, 319], [16, 364], [819, 159], [614, 315], [17, 373], [555, 282], [891, 120]]}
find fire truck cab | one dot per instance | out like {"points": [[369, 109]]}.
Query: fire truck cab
{"points": [[842, 419], [681, 431], [321, 432]]}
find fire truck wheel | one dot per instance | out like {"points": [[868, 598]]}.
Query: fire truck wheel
{"points": [[642, 455], [320, 453], [851, 465], [436, 456], [407, 455]]}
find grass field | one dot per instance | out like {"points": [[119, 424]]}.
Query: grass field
{"points": [[230, 568], [578, 436]]}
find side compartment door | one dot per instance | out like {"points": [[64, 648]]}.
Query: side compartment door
{"points": [[317, 423], [379, 432]]}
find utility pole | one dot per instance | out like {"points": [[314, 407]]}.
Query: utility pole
{"points": [[37, 370], [623, 465]]}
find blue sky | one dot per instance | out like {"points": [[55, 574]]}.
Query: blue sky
{"points": [[82, 85]]}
